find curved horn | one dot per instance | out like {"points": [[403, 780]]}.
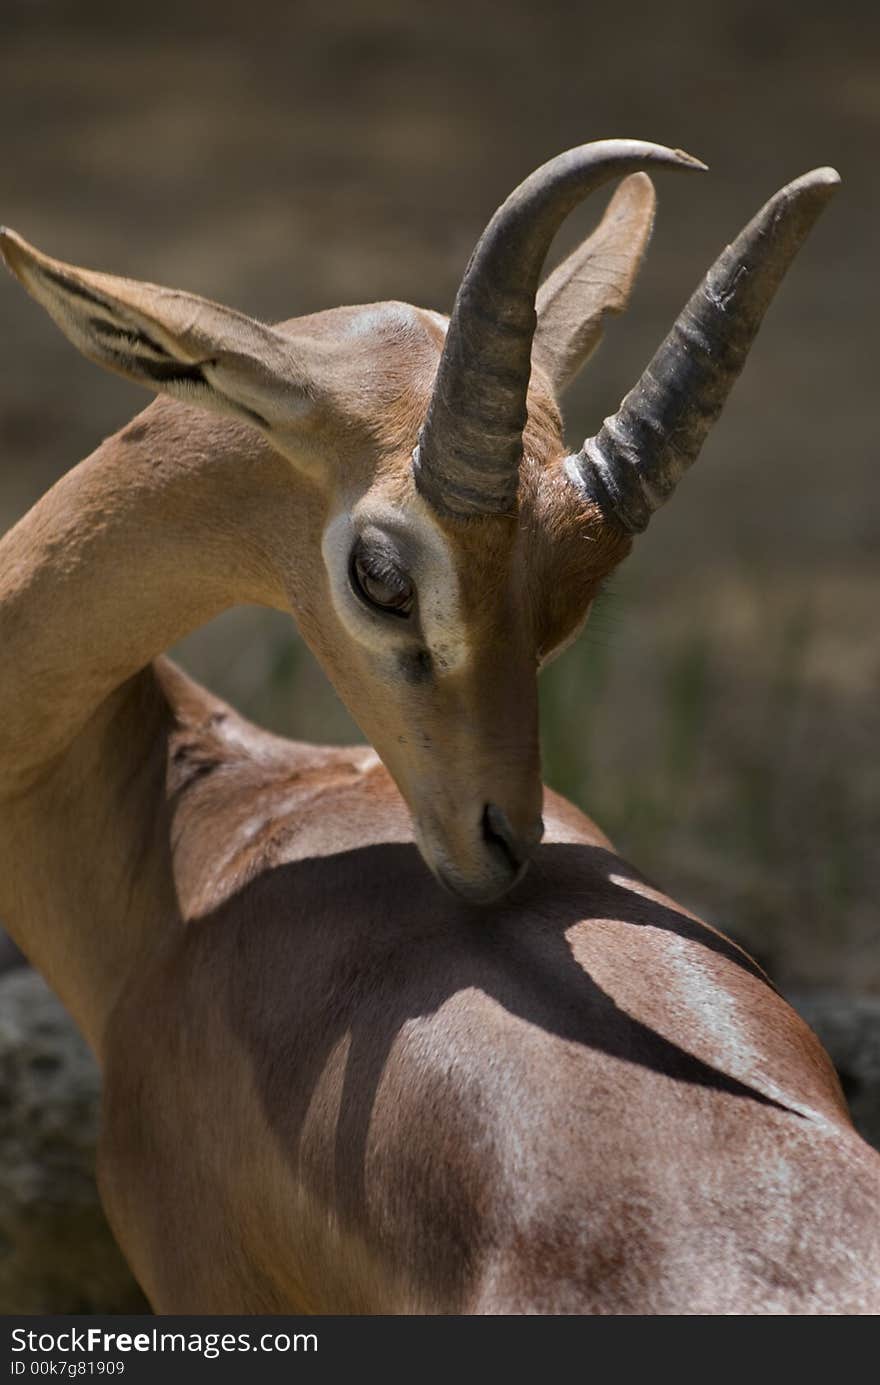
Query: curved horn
{"points": [[637, 458], [467, 460]]}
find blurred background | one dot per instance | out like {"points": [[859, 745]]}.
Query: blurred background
{"points": [[720, 715]]}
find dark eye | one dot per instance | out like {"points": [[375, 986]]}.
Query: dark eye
{"points": [[380, 583]]}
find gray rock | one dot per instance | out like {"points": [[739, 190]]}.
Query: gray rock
{"points": [[57, 1254], [849, 1027]]}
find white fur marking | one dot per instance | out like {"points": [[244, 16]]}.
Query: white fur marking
{"points": [[426, 554]]}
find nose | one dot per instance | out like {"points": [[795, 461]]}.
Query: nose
{"points": [[492, 858], [501, 839], [505, 856]]}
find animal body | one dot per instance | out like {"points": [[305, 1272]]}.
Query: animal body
{"points": [[395, 1030]]}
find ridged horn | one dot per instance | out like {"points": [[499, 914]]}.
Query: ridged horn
{"points": [[637, 458], [467, 460]]}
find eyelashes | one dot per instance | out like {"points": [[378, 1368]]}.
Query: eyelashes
{"points": [[380, 583]]}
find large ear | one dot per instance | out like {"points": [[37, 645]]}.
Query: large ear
{"points": [[597, 278], [171, 342]]}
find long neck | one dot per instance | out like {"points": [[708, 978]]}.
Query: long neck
{"points": [[166, 525]]}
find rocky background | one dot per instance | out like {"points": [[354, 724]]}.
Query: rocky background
{"points": [[720, 715]]}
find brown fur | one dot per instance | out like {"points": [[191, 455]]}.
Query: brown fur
{"points": [[579, 1100], [329, 1085]]}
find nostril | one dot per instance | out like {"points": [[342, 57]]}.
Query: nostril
{"points": [[498, 833], [536, 836]]}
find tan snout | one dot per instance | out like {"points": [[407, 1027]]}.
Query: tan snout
{"points": [[458, 732], [478, 829], [490, 855]]}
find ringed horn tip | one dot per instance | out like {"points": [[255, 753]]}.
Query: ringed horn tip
{"points": [[469, 451], [639, 455]]}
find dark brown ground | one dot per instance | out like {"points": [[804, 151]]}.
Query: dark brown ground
{"points": [[721, 717]]}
